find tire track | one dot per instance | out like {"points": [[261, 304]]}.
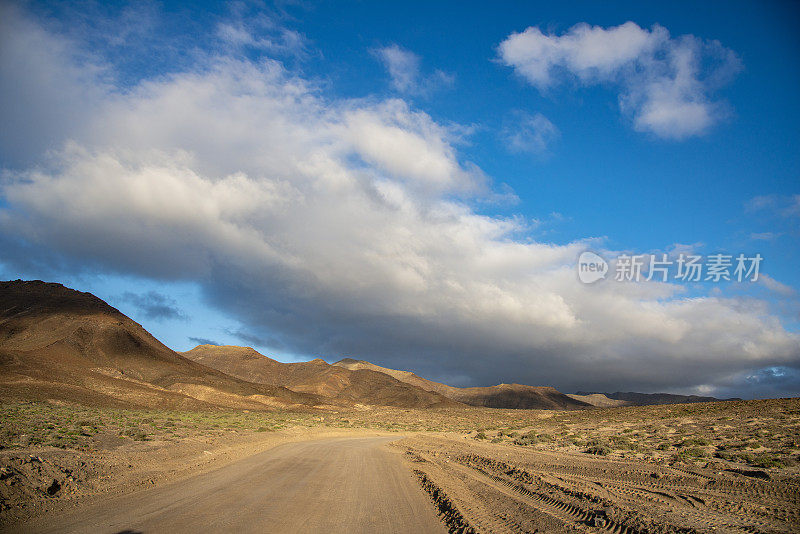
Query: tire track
{"points": [[625, 491], [448, 512], [595, 495]]}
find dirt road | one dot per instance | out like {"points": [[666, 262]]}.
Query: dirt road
{"points": [[334, 485], [501, 488]]}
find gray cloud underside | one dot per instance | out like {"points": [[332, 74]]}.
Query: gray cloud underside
{"points": [[156, 306]]}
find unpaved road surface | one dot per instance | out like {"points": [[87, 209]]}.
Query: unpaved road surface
{"points": [[335, 485]]}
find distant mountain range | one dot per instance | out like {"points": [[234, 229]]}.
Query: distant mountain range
{"points": [[500, 396], [643, 399], [336, 385], [599, 400], [64, 345]]}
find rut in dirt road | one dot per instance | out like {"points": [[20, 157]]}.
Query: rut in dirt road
{"points": [[348, 485]]}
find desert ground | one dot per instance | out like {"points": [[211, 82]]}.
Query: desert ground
{"points": [[708, 467], [107, 430]]}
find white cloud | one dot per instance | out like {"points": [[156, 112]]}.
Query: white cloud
{"points": [[238, 34], [786, 206], [45, 93], [346, 227], [530, 133], [764, 236], [684, 248], [590, 52], [404, 70], [248, 26], [407, 145], [760, 202], [776, 286], [403, 66], [664, 82]]}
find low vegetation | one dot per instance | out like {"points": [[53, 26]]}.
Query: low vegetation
{"points": [[81, 428], [761, 434]]}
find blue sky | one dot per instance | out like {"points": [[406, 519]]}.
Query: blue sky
{"points": [[412, 183]]}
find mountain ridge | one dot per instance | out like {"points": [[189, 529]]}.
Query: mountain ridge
{"points": [[647, 399], [63, 344], [317, 377], [515, 396]]}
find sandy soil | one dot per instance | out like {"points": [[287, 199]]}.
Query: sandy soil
{"points": [[714, 467], [485, 487]]}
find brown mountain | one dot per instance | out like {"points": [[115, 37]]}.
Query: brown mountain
{"points": [[646, 399], [340, 385], [58, 343], [599, 400], [499, 396]]}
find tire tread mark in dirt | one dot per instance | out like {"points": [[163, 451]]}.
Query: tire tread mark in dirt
{"points": [[633, 494], [450, 515], [481, 519], [679, 498], [564, 511]]}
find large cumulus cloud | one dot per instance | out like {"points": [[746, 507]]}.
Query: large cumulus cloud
{"points": [[347, 227]]}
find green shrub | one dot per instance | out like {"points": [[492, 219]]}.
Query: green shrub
{"points": [[624, 444], [766, 461], [692, 452], [139, 435], [689, 442], [597, 448]]}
